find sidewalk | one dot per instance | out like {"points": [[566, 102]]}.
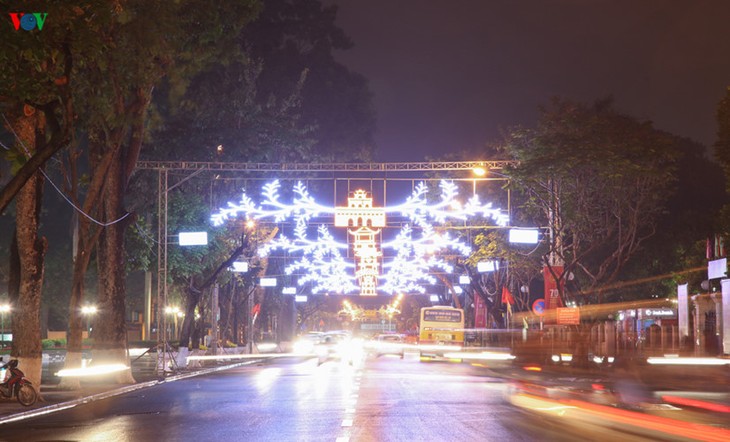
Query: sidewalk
{"points": [[52, 399]]}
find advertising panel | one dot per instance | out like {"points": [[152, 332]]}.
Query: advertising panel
{"points": [[568, 316], [480, 312], [552, 294]]}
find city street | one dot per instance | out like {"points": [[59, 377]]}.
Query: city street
{"points": [[384, 399]]}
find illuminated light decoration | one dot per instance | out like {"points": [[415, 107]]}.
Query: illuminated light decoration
{"points": [[523, 236], [487, 266], [363, 218], [322, 261], [239, 267], [193, 238], [289, 290], [321, 264], [267, 282], [414, 259]]}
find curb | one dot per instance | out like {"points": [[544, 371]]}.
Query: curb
{"points": [[111, 393]]}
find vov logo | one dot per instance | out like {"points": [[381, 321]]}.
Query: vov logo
{"points": [[28, 21]]}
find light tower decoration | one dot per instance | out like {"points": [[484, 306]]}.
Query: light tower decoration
{"points": [[414, 251], [363, 218]]}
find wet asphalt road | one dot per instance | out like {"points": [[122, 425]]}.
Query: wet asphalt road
{"points": [[383, 399]]}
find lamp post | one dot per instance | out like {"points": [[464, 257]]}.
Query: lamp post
{"points": [[176, 313], [88, 311], [4, 308]]}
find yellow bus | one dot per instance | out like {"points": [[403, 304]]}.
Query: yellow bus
{"points": [[441, 330]]}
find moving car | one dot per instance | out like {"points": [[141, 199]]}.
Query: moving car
{"points": [[309, 344], [389, 344], [340, 345]]}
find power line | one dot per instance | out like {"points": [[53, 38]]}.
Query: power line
{"points": [[60, 192]]}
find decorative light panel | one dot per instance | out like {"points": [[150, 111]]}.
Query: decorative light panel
{"points": [[322, 260]]}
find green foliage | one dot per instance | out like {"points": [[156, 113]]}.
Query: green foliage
{"points": [[722, 145], [278, 96], [294, 36], [48, 344], [140, 246], [676, 254], [600, 179]]}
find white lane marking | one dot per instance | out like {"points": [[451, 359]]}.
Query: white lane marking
{"points": [[347, 423]]}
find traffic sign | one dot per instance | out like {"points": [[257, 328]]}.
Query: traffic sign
{"points": [[538, 307]]}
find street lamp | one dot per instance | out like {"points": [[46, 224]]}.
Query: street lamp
{"points": [[88, 311], [4, 308], [176, 313]]}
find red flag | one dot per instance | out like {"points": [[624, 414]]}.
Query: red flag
{"points": [[507, 296]]}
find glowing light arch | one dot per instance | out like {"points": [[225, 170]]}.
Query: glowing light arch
{"points": [[322, 262]]}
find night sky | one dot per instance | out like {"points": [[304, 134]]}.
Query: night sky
{"points": [[449, 75]]}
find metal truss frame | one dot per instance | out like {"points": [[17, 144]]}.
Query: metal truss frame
{"points": [[197, 167]]}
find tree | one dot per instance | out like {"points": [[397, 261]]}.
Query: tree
{"points": [[35, 87], [252, 105], [28, 251], [722, 145], [117, 84], [722, 154], [294, 36], [36, 70], [677, 254], [600, 181]]}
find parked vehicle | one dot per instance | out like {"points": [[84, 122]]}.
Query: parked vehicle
{"points": [[17, 385]]}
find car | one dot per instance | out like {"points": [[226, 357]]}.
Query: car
{"points": [[335, 342], [389, 344], [309, 344], [342, 346]]}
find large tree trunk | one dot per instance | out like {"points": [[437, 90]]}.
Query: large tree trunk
{"points": [[31, 250], [74, 343], [110, 340], [86, 235]]}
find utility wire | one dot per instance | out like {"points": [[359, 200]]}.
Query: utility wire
{"points": [[63, 195]]}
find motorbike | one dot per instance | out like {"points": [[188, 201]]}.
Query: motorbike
{"points": [[17, 385]]}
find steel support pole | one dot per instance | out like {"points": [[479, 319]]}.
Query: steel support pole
{"points": [[214, 320], [161, 271]]}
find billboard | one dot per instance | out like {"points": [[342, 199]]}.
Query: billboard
{"points": [[552, 294]]}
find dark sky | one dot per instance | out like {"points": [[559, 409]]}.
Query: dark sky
{"points": [[447, 75]]}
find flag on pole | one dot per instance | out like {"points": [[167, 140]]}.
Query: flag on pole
{"points": [[507, 296], [507, 299]]}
